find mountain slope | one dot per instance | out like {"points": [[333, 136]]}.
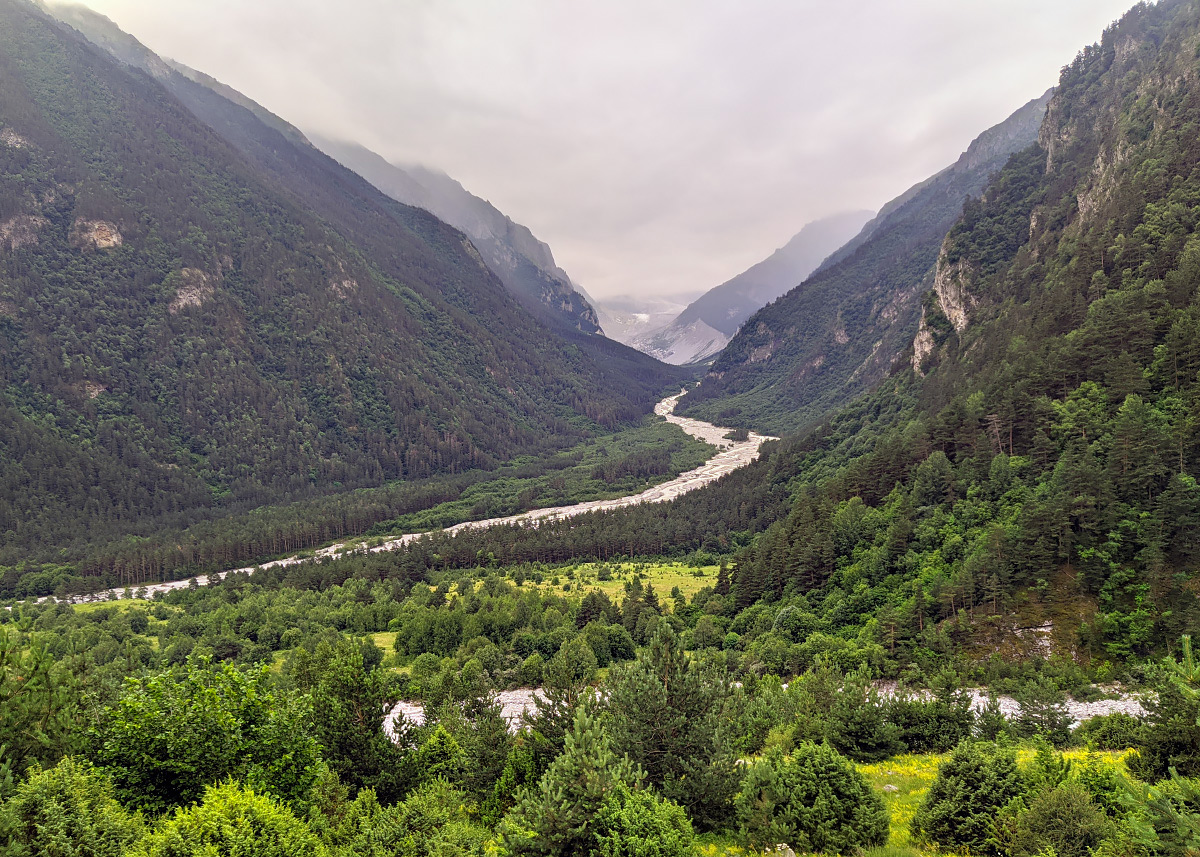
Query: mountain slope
{"points": [[705, 326], [842, 329], [522, 262], [1037, 489], [197, 319]]}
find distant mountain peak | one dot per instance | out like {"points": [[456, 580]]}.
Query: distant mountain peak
{"points": [[705, 326]]}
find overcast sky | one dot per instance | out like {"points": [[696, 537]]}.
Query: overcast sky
{"points": [[658, 146]]}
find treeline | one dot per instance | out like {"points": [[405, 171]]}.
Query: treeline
{"points": [[155, 554]]}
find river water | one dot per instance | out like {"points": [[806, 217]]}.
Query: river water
{"points": [[729, 457]]}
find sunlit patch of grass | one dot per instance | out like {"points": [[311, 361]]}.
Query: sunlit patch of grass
{"points": [[911, 776], [663, 577], [1112, 758], [386, 640], [719, 845]]}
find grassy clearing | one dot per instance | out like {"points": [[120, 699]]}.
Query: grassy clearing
{"points": [[911, 777], [577, 580]]}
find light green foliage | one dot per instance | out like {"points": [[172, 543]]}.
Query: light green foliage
{"points": [[638, 823], [66, 811], [814, 800], [972, 786], [230, 821], [168, 737], [674, 717], [39, 704]]}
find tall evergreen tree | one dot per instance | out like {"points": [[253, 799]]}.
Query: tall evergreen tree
{"points": [[671, 716]]}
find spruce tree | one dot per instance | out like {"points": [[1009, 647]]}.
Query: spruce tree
{"points": [[671, 715], [559, 816]]}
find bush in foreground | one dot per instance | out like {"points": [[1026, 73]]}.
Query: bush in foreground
{"points": [[971, 787], [68, 811], [234, 821], [591, 801], [814, 800]]}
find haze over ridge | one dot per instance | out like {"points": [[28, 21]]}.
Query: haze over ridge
{"points": [[665, 148]]}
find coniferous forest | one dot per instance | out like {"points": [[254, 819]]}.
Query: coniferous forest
{"points": [[954, 614]]}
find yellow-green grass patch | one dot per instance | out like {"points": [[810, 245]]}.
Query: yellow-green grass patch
{"points": [[664, 577]]}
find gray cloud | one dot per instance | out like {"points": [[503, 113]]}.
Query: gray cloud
{"points": [[656, 145]]}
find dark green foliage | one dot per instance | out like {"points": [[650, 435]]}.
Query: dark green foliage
{"points": [[672, 715], [568, 678], [269, 328], [1044, 711], [230, 820], [971, 787], [858, 726], [1166, 816], [1116, 731], [348, 706], [66, 811], [1065, 819], [168, 737], [934, 725], [814, 800], [835, 335], [1170, 735], [39, 704]]}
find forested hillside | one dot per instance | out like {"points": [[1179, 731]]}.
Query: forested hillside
{"points": [[191, 326], [1038, 467], [839, 332]]}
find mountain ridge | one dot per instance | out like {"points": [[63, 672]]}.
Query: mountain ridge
{"points": [[842, 330]]}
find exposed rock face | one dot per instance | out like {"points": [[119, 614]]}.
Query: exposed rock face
{"points": [[922, 345], [952, 283], [96, 234], [12, 139], [21, 231], [861, 308], [195, 287]]}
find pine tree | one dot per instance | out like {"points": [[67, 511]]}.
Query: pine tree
{"points": [[670, 715], [559, 816]]}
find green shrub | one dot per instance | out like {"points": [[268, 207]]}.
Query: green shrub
{"points": [[859, 725], [1170, 737], [932, 725], [638, 823], [68, 811], [1116, 731], [231, 821], [971, 787], [559, 815], [1065, 819], [815, 800]]}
